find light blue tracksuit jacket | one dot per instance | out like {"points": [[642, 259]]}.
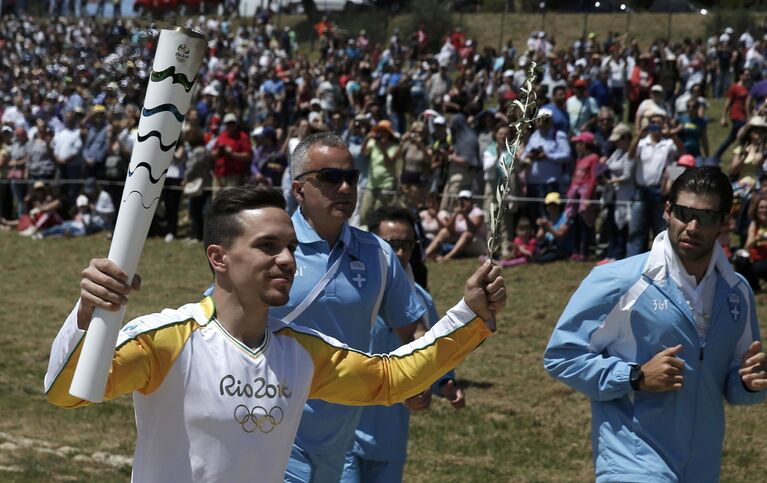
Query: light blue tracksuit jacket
{"points": [[626, 312]]}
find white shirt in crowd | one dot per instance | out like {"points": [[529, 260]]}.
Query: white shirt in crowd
{"points": [[652, 160]]}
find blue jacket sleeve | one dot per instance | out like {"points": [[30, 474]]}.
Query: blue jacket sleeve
{"points": [[559, 150], [579, 351], [735, 391]]}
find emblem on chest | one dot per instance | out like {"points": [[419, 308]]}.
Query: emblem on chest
{"points": [[359, 273], [734, 303]]}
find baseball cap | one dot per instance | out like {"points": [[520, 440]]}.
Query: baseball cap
{"points": [[620, 130], [508, 73], [230, 117], [315, 101], [210, 90], [82, 200], [552, 198], [39, 184], [687, 160], [579, 83], [544, 111], [657, 88], [439, 120], [584, 137], [465, 194]]}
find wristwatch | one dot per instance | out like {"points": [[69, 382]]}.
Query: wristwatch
{"points": [[635, 376]]}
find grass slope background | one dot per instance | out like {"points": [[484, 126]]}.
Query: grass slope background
{"points": [[519, 424]]}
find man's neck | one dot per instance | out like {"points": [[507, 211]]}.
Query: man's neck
{"points": [[244, 322], [327, 231], [698, 268]]}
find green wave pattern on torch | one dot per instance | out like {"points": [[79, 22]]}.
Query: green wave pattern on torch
{"points": [[180, 78]]}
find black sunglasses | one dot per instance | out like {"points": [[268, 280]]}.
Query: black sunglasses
{"points": [[406, 245], [706, 218], [334, 176]]}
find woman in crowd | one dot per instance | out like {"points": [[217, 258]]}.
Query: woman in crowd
{"points": [[464, 232], [619, 190], [197, 180], [414, 155], [41, 211], [463, 162], [752, 261], [748, 155], [41, 164]]}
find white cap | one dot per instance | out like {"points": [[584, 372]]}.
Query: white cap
{"points": [[465, 194], [210, 91], [729, 31], [508, 73], [657, 88], [724, 38], [82, 201], [439, 120], [257, 131], [545, 111]]}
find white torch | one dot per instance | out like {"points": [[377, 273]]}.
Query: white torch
{"points": [[174, 72]]}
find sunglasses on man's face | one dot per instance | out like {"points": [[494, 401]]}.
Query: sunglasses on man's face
{"points": [[406, 245], [334, 176], [706, 218]]}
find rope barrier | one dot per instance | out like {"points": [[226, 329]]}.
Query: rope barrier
{"points": [[528, 199]]}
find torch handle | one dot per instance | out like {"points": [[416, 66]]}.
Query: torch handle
{"points": [[92, 370]]}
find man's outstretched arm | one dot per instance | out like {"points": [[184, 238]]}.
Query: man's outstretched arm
{"points": [[346, 376]]}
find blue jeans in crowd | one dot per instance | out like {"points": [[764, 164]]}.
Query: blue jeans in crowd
{"points": [[731, 136], [646, 213], [616, 237]]}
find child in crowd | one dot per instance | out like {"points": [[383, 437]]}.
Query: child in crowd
{"points": [[523, 246], [554, 237]]}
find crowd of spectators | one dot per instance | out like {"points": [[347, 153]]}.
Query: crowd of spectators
{"points": [[426, 127]]}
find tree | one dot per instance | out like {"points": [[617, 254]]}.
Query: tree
{"points": [[310, 9]]}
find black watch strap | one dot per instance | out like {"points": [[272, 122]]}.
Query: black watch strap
{"points": [[635, 376]]}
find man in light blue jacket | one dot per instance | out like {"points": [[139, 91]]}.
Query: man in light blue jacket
{"points": [[658, 341]]}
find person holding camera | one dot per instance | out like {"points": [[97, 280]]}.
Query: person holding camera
{"points": [[547, 152], [380, 147], [656, 147]]}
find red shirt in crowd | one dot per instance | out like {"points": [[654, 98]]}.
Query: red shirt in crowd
{"points": [[225, 165], [737, 95], [586, 172]]}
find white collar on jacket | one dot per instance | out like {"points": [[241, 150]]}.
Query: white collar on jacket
{"points": [[657, 268]]}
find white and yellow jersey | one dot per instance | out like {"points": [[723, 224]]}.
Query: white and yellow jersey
{"points": [[209, 408]]}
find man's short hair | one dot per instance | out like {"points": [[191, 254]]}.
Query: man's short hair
{"points": [[222, 224], [299, 160], [709, 180], [390, 213]]}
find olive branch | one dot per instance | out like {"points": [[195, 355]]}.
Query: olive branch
{"points": [[524, 111]]}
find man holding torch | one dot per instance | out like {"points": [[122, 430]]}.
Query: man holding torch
{"points": [[219, 386]]}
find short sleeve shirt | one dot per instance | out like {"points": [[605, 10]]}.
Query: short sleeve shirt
{"points": [[652, 160], [344, 309]]}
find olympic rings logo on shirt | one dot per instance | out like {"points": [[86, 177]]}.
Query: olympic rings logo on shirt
{"points": [[258, 418]]}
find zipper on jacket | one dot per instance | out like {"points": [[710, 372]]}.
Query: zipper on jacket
{"points": [[702, 347]]}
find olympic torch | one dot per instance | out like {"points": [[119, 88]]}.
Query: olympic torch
{"points": [[174, 72]]}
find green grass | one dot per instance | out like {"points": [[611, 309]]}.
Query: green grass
{"points": [[519, 424]]}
